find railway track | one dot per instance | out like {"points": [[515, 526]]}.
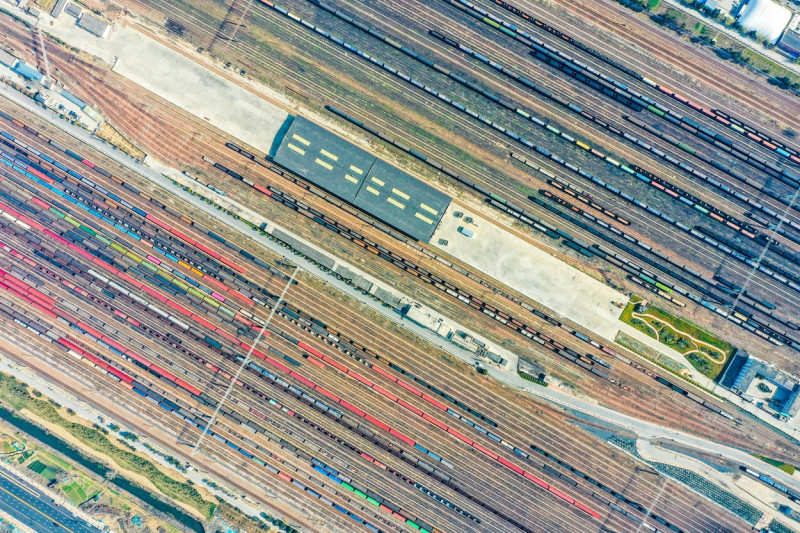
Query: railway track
{"points": [[174, 147]]}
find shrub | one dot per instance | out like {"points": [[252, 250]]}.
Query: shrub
{"points": [[533, 379]]}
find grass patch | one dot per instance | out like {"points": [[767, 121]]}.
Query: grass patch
{"points": [[80, 490], [16, 393], [650, 354], [703, 365], [7, 445], [652, 5], [705, 352], [46, 5], [626, 315], [789, 469]]}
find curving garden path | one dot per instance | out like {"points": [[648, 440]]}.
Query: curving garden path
{"points": [[697, 343]]}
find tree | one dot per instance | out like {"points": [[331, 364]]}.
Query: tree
{"points": [[784, 82]]}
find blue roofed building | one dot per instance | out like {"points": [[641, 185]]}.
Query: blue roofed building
{"points": [[790, 44], [74, 99], [28, 72]]}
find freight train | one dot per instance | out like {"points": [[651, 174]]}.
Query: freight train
{"points": [[219, 308], [720, 116]]}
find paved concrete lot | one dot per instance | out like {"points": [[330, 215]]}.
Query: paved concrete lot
{"points": [[535, 273], [180, 80], [28, 505], [197, 90]]}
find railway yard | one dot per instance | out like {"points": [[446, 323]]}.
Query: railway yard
{"points": [[622, 151]]}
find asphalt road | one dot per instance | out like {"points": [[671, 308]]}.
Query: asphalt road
{"points": [[35, 509]]}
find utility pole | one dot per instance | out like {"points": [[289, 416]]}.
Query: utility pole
{"points": [[48, 79]]}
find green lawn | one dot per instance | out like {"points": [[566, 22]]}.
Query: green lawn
{"points": [[789, 469], [653, 355], [7, 446], [626, 313]]}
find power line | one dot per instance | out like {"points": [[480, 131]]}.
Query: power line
{"points": [[244, 364], [775, 230]]}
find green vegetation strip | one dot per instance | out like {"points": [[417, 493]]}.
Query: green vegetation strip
{"points": [[16, 393], [528, 377], [789, 469], [725, 46]]}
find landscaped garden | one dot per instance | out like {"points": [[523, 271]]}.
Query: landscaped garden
{"points": [[705, 352]]}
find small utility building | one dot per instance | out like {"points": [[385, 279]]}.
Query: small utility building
{"points": [[790, 44], [7, 59], [94, 25]]}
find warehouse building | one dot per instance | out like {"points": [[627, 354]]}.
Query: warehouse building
{"points": [[8, 59], [324, 159], [28, 72], [74, 10], [722, 6], [381, 190], [59, 8], [790, 44], [401, 200], [765, 17], [94, 25]]}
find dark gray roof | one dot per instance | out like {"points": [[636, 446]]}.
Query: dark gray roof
{"points": [[733, 369], [324, 158], [401, 200], [93, 24], [73, 9], [383, 191], [58, 9], [791, 40]]}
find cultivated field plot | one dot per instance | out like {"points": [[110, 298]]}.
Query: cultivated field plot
{"points": [[43, 469], [80, 490]]}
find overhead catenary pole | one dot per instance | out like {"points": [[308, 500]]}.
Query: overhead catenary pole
{"points": [[44, 57], [244, 363]]}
